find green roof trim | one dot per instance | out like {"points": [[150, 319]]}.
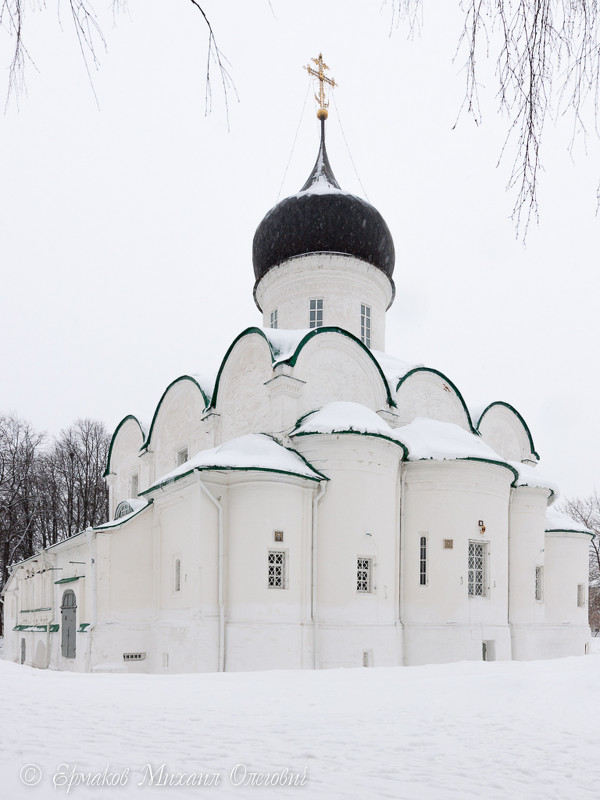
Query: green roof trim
{"points": [[31, 610], [569, 530], [83, 627], [294, 357], [36, 628], [356, 433], [238, 469], [114, 436], [146, 442], [517, 415], [69, 580], [441, 375], [54, 627], [475, 458]]}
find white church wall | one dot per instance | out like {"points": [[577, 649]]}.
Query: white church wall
{"points": [[357, 519], [567, 568], [334, 367], [344, 283], [268, 627], [186, 633], [242, 396], [527, 611], [444, 502], [504, 431], [425, 393]]}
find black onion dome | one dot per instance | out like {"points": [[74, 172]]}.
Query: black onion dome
{"points": [[322, 218]]}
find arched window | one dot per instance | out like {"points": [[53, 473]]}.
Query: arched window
{"points": [[123, 509], [68, 611]]}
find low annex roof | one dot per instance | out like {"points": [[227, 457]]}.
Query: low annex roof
{"points": [[254, 451]]}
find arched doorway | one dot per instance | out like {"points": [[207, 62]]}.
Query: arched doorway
{"points": [[68, 623]]}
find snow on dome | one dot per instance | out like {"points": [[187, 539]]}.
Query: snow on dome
{"points": [[443, 441], [322, 218], [556, 521], [252, 451], [341, 417]]}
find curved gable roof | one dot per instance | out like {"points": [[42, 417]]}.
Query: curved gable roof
{"points": [[114, 436], [190, 378], [447, 380], [517, 415], [290, 356]]}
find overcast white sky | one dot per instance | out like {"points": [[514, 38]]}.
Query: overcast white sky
{"points": [[126, 230]]}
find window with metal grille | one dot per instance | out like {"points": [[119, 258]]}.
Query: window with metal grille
{"points": [[134, 656], [423, 561], [274, 318], [477, 569], [177, 575], [539, 583], [365, 324], [316, 313], [277, 565], [364, 570], [581, 594]]}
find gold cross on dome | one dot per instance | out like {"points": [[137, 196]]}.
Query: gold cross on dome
{"points": [[319, 74]]}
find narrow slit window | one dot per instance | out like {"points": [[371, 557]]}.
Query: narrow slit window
{"points": [[181, 456], [539, 583], [364, 574], [134, 485], [423, 561], [274, 318], [177, 575], [365, 324], [316, 313], [580, 594]]}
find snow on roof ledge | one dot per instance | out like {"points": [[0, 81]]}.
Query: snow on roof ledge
{"points": [[556, 521], [423, 438], [254, 451], [137, 504]]}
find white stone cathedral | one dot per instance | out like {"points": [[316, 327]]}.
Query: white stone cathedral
{"points": [[319, 503]]}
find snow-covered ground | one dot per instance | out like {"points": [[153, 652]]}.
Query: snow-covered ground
{"points": [[444, 732]]}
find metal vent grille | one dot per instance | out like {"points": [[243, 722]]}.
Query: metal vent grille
{"points": [[134, 656]]}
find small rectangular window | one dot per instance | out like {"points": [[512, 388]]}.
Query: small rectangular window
{"points": [[539, 583], [134, 485], [274, 318], [277, 569], [581, 594], [477, 569], [365, 324], [364, 574], [316, 313], [181, 456], [423, 561], [177, 575]]}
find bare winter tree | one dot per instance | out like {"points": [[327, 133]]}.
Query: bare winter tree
{"points": [[546, 54], [587, 511], [20, 447], [91, 41]]}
